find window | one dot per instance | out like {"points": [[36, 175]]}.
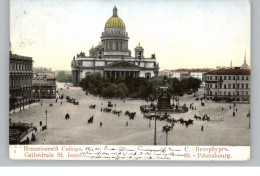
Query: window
{"points": [[229, 77], [246, 86], [210, 85], [237, 93], [220, 77], [225, 86], [242, 77], [242, 85], [216, 77], [220, 86], [229, 86], [238, 86], [228, 93], [224, 77], [216, 93], [246, 92], [234, 86], [247, 78], [216, 86], [210, 77], [237, 77], [234, 78]]}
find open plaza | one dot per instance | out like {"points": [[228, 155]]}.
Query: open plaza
{"points": [[222, 129]]}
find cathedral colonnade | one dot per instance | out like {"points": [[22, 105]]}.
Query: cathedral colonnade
{"points": [[124, 74]]}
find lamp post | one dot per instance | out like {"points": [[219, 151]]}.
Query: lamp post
{"points": [[249, 119], [166, 129], [46, 112], [234, 114], [155, 117]]}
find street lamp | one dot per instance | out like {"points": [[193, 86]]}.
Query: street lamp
{"points": [[166, 129], [234, 114], [46, 112], [155, 117], [248, 115]]}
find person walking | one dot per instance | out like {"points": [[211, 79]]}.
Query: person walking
{"points": [[100, 124], [202, 128], [126, 124], [61, 103], [41, 104]]}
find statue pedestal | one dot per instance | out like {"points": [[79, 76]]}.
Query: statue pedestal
{"points": [[164, 100]]}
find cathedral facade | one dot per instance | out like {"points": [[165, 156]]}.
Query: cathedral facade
{"points": [[112, 58]]}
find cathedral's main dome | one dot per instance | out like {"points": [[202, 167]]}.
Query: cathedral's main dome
{"points": [[115, 21]]}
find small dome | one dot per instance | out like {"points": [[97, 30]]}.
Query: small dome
{"points": [[139, 46], [115, 21], [92, 47]]}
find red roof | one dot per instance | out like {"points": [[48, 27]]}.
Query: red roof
{"points": [[192, 70], [230, 72]]}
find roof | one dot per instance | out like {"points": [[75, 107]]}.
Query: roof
{"points": [[18, 57], [40, 82], [230, 72], [192, 70]]}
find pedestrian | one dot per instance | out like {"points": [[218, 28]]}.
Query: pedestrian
{"points": [[61, 103], [101, 109], [202, 128], [118, 114], [222, 108], [195, 107], [126, 124], [41, 104], [236, 109], [229, 107], [100, 124], [44, 142]]}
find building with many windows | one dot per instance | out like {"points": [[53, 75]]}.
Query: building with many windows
{"points": [[43, 85], [194, 73], [228, 84], [20, 81], [112, 58]]}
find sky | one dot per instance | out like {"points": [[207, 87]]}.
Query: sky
{"points": [[182, 33]]}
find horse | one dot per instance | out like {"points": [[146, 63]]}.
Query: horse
{"points": [[197, 117], [92, 106], [132, 115]]}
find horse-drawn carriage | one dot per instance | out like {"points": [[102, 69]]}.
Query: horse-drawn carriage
{"points": [[109, 104]]}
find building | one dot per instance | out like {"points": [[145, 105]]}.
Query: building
{"points": [[167, 73], [44, 85], [112, 58], [20, 81], [228, 84], [181, 74], [194, 73]]}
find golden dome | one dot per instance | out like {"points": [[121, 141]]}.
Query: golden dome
{"points": [[139, 46], [115, 21]]}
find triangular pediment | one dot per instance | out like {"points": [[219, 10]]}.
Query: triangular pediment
{"points": [[122, 64]]}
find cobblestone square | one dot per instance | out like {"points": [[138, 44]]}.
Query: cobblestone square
{"points": [[233, 131]]}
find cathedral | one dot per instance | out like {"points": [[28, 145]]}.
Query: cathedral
{"points": [[112, 58]]}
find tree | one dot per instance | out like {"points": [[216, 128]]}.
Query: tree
{"points": [[63, 77]]}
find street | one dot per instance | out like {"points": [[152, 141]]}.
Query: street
{"points": [[76, 130]]}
